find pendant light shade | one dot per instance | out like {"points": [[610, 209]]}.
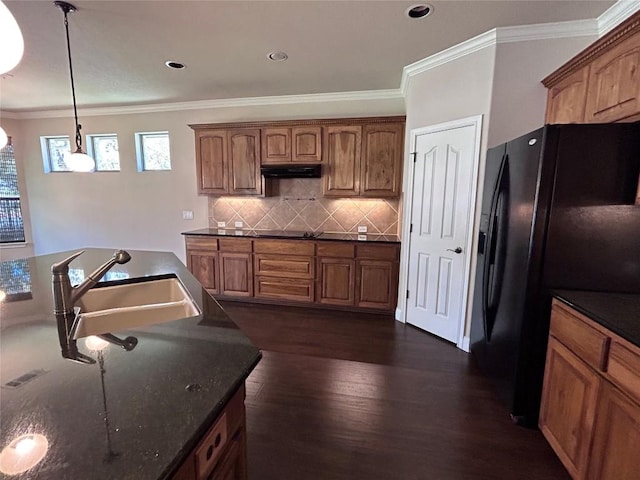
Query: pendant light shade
{"points": [[79, 161], [10, 39], [3, 138]]}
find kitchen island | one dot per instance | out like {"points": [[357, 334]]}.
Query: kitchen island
{"points": [[135, 414]]}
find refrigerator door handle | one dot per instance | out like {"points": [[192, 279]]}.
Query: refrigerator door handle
{"points": [[492, 273]]}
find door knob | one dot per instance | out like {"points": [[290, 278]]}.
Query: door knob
{"points": [[457, 250]]}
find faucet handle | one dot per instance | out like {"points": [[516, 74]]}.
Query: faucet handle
{"points": [[63, 265]]}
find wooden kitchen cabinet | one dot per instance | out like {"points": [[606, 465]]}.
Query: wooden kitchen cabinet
{"points": [[296, 144], [236, 267], [284, 269], [568, 407], [222, 453], [602, 83], [336, 266], [376, 276], [381, 170], [244, 162], [590, 411], [276, 146], [228, 162], [202, 261], [343, 145]]}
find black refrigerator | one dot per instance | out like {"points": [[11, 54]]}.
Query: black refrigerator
{"points": [[557, 213]]}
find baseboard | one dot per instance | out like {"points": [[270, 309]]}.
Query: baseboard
{"points": [[464, 346], [399, 315]]}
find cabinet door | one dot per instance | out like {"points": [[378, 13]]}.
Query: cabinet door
{"points": [[236, 274], [343, 149], [569, 397], [381, 168], [234, 465], [566, 101], [204, 266], [375, 285], [276, 146], [616, 439], [306, 144], [211, 161], [336, 281], [244, 162], [614, 83]]}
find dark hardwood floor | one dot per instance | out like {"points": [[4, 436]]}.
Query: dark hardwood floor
{"points": [[356, 396]]}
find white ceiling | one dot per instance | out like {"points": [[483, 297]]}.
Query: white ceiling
{"points": [[119, 47]]}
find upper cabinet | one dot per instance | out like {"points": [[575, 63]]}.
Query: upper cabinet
{"points": [[228, 162], [602, 83], [364, 161], [362, 157]]}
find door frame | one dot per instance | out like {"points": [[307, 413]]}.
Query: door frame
{"points": [[405, 246]]}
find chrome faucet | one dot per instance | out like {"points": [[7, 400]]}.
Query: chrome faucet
{"points": [[64, 295], [65, 298]]}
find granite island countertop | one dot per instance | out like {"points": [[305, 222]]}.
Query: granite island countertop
{"points": [[153, 419], [618, 312], [294, 235]]}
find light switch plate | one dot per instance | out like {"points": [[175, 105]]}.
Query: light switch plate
{"points": [[238, 224], [222, 224], [362, 229], [187, 214]]}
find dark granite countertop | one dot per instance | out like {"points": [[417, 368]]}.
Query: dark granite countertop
{"points": [[153, 421], [619, 312], [228, 232]]}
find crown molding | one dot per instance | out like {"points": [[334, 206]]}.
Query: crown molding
{"points": [[616, 14], [365, 95], [11, 115], [541, 31]]}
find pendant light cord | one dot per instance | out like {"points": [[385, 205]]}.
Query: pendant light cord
{"points": [[73, 88]]}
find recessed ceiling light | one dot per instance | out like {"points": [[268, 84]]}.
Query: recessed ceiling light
{"points": [[277, 56], [175, 65], [420, 10]]}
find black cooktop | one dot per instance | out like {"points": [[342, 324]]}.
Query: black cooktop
{"points": [[286, 233]]}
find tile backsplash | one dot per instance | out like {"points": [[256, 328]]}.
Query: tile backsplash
{"points": [[301, 206]]}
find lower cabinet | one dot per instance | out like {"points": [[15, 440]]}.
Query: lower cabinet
{"points": [[326, 273], [222, 453], [590, 412]]}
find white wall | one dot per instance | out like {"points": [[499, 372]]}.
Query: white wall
{"points": [[128, 209], [519, 99]]}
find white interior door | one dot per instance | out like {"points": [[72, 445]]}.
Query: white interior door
{"points": [[443, 191]]}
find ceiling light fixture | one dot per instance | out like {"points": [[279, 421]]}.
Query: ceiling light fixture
{"points": [[10, 39], [175, 65], [12, 49], [277, 56], [79, 161], [420, 10]]}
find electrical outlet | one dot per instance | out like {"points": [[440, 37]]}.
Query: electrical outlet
{"points": [[239, 233], [238, 224], [187, 214], [362, 229], [222, 224], [362, 237]]}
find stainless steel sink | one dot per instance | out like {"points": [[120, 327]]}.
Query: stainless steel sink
{"points": [[131, 305]]}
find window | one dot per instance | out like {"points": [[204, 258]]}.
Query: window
{"points": [[104, 150], [152, 149], [11, 226], [15, 280], [55, 152]]}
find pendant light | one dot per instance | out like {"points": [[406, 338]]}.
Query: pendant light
{"points": [[11, 51], [79, 161]]}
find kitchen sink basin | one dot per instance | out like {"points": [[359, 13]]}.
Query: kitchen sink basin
{"points": [[130, 305]]}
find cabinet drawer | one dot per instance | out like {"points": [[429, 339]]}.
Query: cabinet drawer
{"points": [[288, 266], [624, 368], [574, 332], [289, 247], [336, 249], [208, 451], [382, 252], [242, 245], [202, 243], [296, 289]]}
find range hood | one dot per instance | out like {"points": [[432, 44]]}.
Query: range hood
{"points": [[291, 171]]}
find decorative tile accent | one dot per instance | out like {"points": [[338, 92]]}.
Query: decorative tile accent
{"points": [[300, 206]]}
